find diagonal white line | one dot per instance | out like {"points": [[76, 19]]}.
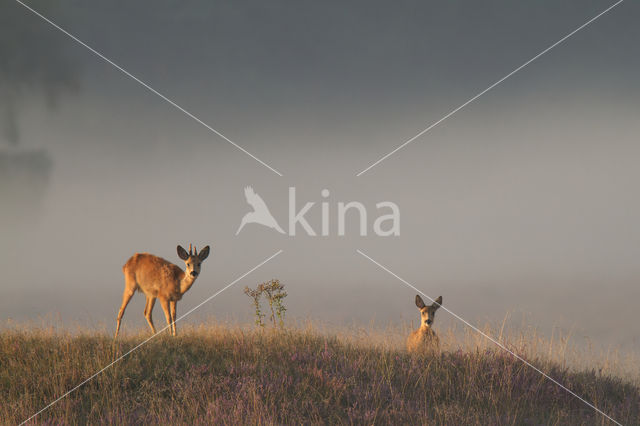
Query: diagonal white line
{"points": [[500, 345], [489, 88], [145, 85], [150, 338]]}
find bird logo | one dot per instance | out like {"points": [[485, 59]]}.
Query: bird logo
{"points": [[260, 213]]}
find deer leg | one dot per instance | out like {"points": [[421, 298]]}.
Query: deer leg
{"points": [[167, 311], [148, 309], [126, 297], [173, 317]]}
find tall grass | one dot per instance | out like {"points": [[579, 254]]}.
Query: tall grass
{"points": [[307, 374]]}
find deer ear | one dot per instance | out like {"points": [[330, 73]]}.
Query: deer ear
{"points": [[419, 302], [204, 253], [438, 302], [182, 253]]}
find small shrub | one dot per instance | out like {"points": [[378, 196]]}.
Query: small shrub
{"points": [[275, 294]]}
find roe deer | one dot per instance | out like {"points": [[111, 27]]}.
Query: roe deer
{"points": [[160, 279], [424, 337]]}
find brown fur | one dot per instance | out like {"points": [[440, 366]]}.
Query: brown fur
{"points": [[160, 279], [424, 338]]}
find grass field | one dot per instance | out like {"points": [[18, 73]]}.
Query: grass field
{"points": [[233, 375]]}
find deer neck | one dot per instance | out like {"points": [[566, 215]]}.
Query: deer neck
{"points": [[186, 282], [426, 329]]}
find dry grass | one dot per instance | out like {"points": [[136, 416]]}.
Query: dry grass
{"points": [[235, 375]]}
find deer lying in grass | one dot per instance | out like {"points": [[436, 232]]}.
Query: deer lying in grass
{"points": [[424, 337], [160, 279]]}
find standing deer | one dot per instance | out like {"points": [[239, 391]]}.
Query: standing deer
{"points": [[160, 279], [424, 337]]}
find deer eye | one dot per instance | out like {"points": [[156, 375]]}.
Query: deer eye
{"points": [[199, 264]]}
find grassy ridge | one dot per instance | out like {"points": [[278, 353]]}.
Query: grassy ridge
{"points": [[234, 376]]}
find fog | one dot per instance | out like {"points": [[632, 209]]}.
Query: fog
{"points": [[524, 202]]}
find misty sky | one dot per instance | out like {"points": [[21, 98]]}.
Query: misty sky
{"points": [[523, 202]]}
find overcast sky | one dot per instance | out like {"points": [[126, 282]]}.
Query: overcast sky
{"points": [[525, 201]]}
